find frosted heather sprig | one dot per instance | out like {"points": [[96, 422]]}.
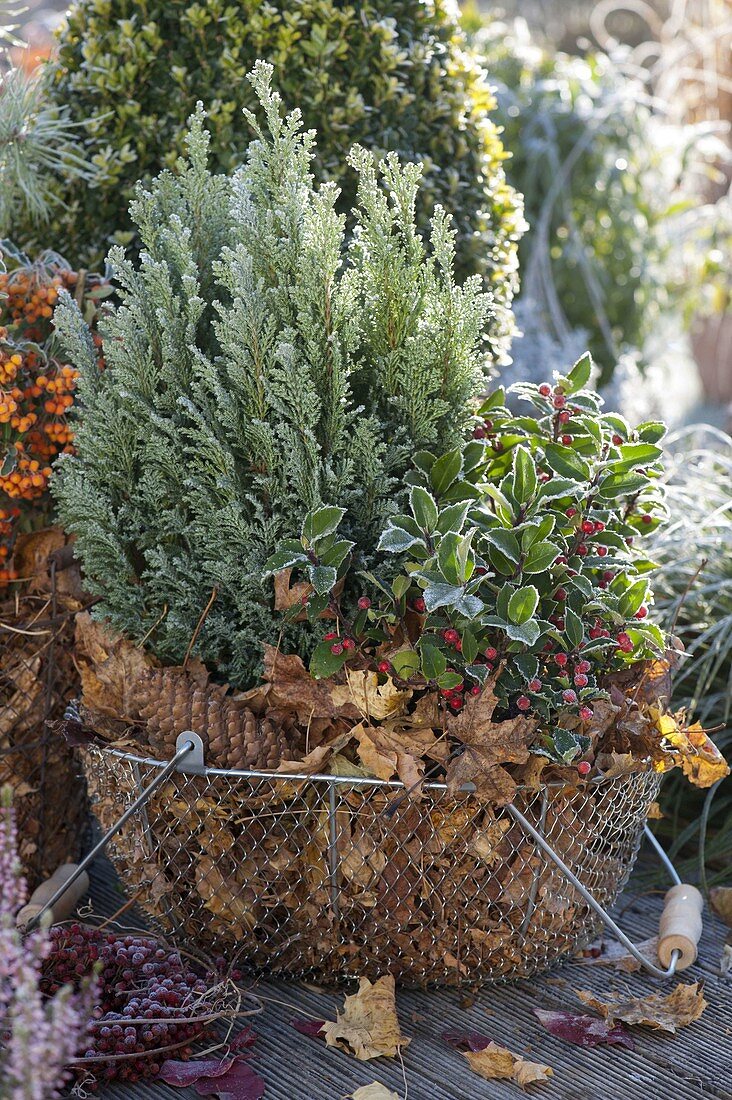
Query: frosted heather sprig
{"points": [[38, 1035]]}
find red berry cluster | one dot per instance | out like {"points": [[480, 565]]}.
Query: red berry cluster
{"points": [[149, 999]]}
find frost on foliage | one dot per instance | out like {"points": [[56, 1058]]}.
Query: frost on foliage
{"points": [[257, 367]]}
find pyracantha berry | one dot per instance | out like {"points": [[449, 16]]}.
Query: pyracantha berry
{"points": [[419, 605], [617, 440], [559, 401], [582, 551], [475, 689], [583, 666], [570, 513], [337, 648], [330, 636], [348, 643], [561, 659], [588, 527], [601, 551], [523, 702], [535, 684], [641, 613], [545, 389], [451, 636], [569, 696], [584, 768], [364, 603], [384, 666], [567, 440], [491, 653], [586, 713], [581, 680], [564, 417]]}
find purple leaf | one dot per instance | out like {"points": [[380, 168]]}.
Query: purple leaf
{"points": [[181, 1074], [312, 1028], [584, 1031], [240, 1082], [245, 1038], [466, 1040]]}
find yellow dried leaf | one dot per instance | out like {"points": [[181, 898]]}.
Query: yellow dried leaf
{"points": [[720, 899], [374, 700], [368, 1026], [375, 1091], [110, 667], [496, 1063], [663, 1013]]}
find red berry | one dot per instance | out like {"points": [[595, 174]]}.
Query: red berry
{"points": [[582, 551], [569, 696], [488, 424], [348, 643], [560, 594], [451, 636], [559, 401], [567, 440], [586, 713], [624, 639], [584, 768], [608, 575], [603, 585], [595, 632], [583, 666], [641, 613], [419, 605], [329, 637], [459, 645], [617, 440], [545, 389], [478, 433], [384, 666], [475, 689], [564, 417], [581, 680], [535, 685], [588, 527], [558, 389], [646, 519], [629, 540], [602, 551], [570, 513], [523, 702], [561, 560], [337, 648], [599, 525], [491, 653], [364, 603], [497, 447], [561, 659]]}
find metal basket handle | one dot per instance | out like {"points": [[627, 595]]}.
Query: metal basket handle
{"points": [[679, 928]]}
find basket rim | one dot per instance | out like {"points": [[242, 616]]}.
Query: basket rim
{"points": [[349, 780]]}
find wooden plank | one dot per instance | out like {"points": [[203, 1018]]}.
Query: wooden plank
{"points": [[693, 1064]]}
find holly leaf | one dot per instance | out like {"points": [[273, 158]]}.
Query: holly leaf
{"points": [[584, 1031]]}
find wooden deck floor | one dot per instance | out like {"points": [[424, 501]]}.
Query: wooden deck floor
{"points": [[695, 1063]]}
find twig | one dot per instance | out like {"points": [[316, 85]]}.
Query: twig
{"points": [[199, 624], [702, 565]]}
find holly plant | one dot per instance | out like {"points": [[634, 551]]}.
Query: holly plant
{"points": [[517, 555]]}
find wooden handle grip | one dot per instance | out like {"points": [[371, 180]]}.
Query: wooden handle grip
{"points": [[680, 926], [65, 905]]}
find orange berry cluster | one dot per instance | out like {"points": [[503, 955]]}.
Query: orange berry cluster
{"points": [[36, 388]]}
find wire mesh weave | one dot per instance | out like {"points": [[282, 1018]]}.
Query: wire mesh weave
{"points": [[335, 877], [37, 677]]}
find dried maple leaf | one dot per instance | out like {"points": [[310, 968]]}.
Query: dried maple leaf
{"points": [[720, 899], [316, 759], [496, 1063], [488, 744], [293, 688], [368, 1026], [663, 1013], [375, 1091], [613, 765], [110, 668], [373, 700], [584, 1031]]}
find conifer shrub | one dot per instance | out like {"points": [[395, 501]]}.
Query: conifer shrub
{"points": [[390, 76], [258, 367]]}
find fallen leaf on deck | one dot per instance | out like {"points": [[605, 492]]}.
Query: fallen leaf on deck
{"points": [[466, 1040], [183, 1074], [240, 1082], [313, 1028], [720, 899], [663, 1013], [584, 1031], [496, 1063], [614, 954], [374, 1092], [368, 1025]]}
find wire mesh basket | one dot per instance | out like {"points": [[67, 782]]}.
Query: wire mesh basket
{"points": [[37, 677], [331, 877]]}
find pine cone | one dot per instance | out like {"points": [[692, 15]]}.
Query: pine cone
{"points": [[171, 700]]}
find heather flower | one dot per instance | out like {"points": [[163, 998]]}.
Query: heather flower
{"points": [[39, 1035]]}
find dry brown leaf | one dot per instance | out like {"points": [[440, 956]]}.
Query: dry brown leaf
{"points": [[496, 1063], [375, 1091], [368, 1026], [294, 689], [613, 765], [720, 899], [655, 812], [663, 1013], [488, 744], [316, 759], [110, 667], [373, 700], [381, 763]]}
